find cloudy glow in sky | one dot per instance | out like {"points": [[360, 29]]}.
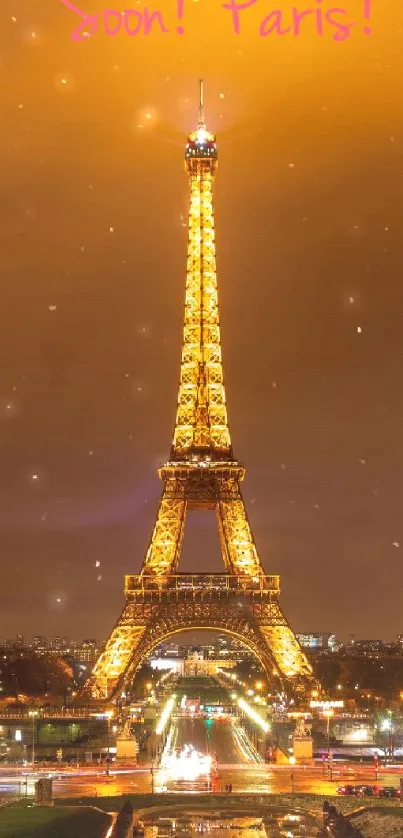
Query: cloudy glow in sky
{"points": [[93, 242]]}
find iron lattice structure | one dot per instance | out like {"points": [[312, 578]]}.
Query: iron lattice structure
{"points": [[202, 473]]}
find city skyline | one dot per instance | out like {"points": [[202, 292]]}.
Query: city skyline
{"points": [[309, 253], [314, 641]]}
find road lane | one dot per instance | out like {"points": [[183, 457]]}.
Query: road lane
{"points": [[210, 737], [244, 778]]}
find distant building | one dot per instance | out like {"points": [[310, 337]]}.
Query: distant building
{"points": [[167, 650], [14, 643], [196, 664], [353, 731], [223, 649], [40, 645], [319, 641], [365, 646], [86, 652], [61, 644], [40, 642], [161, 664]]}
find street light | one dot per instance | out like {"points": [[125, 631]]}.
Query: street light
{"points": [[33, 714], [328, 713], [108, 714], [390, 727]]}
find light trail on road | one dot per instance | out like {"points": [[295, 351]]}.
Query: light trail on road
{"points": [[244, 744], [245, 777], [225, 741]]}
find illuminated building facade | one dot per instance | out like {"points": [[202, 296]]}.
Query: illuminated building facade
{"points": [[319, 641], [202, 474], [196, 664]]}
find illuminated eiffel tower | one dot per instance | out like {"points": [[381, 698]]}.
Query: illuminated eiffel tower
{"points": [[201, 474]]}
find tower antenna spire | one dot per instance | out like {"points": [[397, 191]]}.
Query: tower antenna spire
{"points": [[201, 123]]}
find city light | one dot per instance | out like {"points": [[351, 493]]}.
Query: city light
{"points": [[33, 714], [188, 764], [165, 715], [203, 136], [359, 735], [253, 715]]}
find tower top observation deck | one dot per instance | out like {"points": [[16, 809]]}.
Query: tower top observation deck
{"points": [[201, 144]]}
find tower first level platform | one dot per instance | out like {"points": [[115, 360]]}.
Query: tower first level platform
{"points": [[156, 608]]}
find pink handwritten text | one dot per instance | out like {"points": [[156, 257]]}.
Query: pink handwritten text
{"points": [[132, 22]]}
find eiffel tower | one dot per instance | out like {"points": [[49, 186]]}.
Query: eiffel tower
{"points": [[203, 474]]}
